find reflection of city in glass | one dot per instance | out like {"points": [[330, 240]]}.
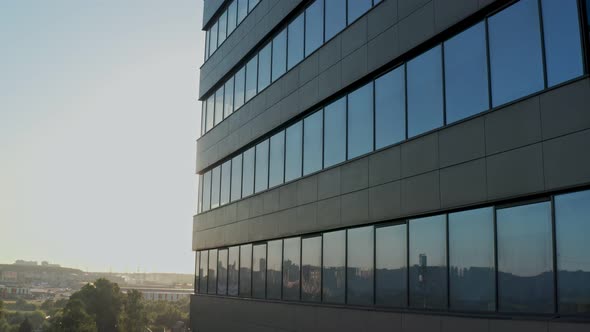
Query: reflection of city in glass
{"points": [[359, 281], [274, 269], [245, 270], [391, 281], [259, 271], [233, 270], [222, 272], [311, 269], [291, 268], [334, 272]]}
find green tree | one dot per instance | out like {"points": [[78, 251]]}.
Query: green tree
{"points": [[1, 309], [74, 319], [25, 326], [48, 305], [134, 318], [102, 300]]}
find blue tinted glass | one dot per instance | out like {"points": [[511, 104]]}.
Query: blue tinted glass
{"points": [[229, 98], [212, 284], [203, 117], [466, 74], [572, 231], [525, 259], [204, 271], [207, 191], [277, 159], [215, 186], [248, 173], [242, 10], [218, 106], [207, 37], [197, 266], [232, 16], [279, 55], [261, 166], [291, 268], [293, 149], [222, 272], [312, 142], [563, 48], [252, 4], [222, 28], [233, 268], [356, 9], [391, 281], [425, 93], [274, 269], [246, 270], [335, 17], [428, 262], [314, 26], [259, 271], [236, 178], [335, 133], [251, 77], [295, 42], [210, 112], [311, 269], [225, 182], [390, 108], [515, 52], [360, 121], [359, 277], [264, 67], [240, 84], [334, 267], [200, 197], [213, 39], [471, 260]]}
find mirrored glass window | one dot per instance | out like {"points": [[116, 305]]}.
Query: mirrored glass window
{"points": [[251, 77], [572, 231], [204, 271], [236, 178], [466, 73], [252, 4], [311, 269], [246, 270], [360, 121], [359, 284], [391, 280], [200, 197], [248, 172], [295, 42], [225, 182], [356, 9], [203, 117], [515, 52], [291, 268], [471, 260], [261, 166], [233, 270], [229, 98], [232, 16], [334, 267], [264, 67], [213, 39], [259, 271], [312, 142], [239, 88], [242, 10], [277, 159], [207, 191], [335, 17], [274, 270], [279, 55], [425, 93], [294, 149], [314, 26], [197, 269], [212, 284], [218, 106], [222, 28], [428, 262], [335, 133], [525, 258], [210, 112], [215, 186], [390, 108], [222, 272]]}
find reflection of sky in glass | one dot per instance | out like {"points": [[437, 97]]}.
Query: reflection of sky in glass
{"points": [[248, 173], [314, 27], [334, 255], [471, 238], [261, 166], [335, 133], [212, 271], [390, 252], [274, 264], [204, 270], [311, 264], [259, 271], [222, 272], [264, 67], [279, 55], [360, 121], [232, 273], [390, 108], [336, 21], [312, 142], [295, 41], [277, 159], [291, 268], [334, 247], [572, 225], [428, 236], [293, 150], [236, 178], [360, 248]]}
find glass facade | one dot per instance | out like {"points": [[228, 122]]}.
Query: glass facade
{"points": [[248, 172], [334, 267], [236, 178], [294, 151], [390, 108], [291, 268], [277, 160], [274, 274], [212, 280], [233, 270], [279, 55], [312, 143], [222, 272], [295, 40], [251, 78], [245, 270], [391, 265], [225, 182], [311, 269], [314, 26], [335, 133], [359, 262], [264, 67], [261, 176], [360, 121], [336, 19], [259, 271], [204, 271]]}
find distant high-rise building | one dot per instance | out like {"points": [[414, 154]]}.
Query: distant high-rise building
{"points": [[393, 165]]}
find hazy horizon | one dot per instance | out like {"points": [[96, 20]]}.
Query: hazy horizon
{"points": [[98, 121]]}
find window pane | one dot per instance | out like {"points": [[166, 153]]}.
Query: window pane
{"points": [[200, 196], [240, 81], [356, 9], [391, 280], [197, 266], [312, 142], [335, 17], [207, 191], [563, 48], [204, 271], [359, 284], [229, 98], [525, 259], [225, 182], [248, 173], [572, 231], [242, 10], [291, 268], [233, 271], [294, 142], [390, 108], [515, 52], [215, 186], [213, 39], [210, 111], [261, 166], [218, 106], [251, 77], [212, 285], [471, 260], [335, 133], [311, 269], [222, 272], [295, 40], [428, 262], [279, 55], [207, 37], [277, 159], [425, 97], [232, 15], [259, 271], [252, 4], [203, 117], [274, 269], [236, 178], [466, 74], [246, 270], [360, 121], [264, 67], [334, 267], [222, 28], [314, 26]]}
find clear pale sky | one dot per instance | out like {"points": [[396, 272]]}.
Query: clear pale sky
{"points": [[98, 122]]}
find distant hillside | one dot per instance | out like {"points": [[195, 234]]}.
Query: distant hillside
{"points": [[38, 269]]}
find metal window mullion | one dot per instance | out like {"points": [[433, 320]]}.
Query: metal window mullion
{"points": [[408, 263], [554, 253], [406, 115], [444, 85], [448, 263], [488, 62], [346, 266], [543, 51], [497, 293]]}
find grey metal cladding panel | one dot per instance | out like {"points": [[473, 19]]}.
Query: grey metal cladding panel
{"points": [[566, 109], [421, 193], [455, 324], [385, 166], [417, 27], [567, 160], [420, 155], [450, 12], [420, 323], [354, 175], [354, 207], [568, 327], [209, 9], [385, 201], [517, 326], [462, 142], [463, 184], [383, 18]]}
